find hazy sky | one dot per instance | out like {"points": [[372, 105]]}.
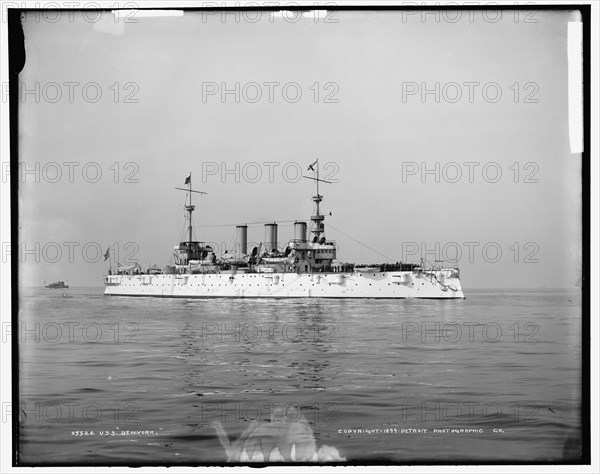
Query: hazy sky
{"points": [[368, 120]]}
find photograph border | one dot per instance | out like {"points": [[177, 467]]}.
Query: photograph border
{"points": [[17, 61]]}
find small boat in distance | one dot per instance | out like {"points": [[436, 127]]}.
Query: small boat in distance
{"points": [[59, 285]]}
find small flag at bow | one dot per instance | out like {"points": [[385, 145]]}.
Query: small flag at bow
{"points": [[310, 167], [188, 180], [107, 254]]}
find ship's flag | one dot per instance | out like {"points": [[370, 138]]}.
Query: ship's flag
{"points": [[188, 180], [310, 167], [107, 254]]}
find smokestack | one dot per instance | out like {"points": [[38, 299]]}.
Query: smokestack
{"points": [[300, 231], [242, 238], [270, 237]]}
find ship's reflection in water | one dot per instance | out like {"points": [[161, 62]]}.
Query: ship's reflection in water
{"points": [[255, 371]]}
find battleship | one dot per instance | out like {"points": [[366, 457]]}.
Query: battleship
{"points": [[306, 267]]}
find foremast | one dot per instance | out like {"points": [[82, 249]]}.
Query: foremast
{"points": [[317, 220], [192, 250], [190, 208]]}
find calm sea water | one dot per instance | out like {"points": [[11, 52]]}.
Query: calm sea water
{"points": [[505, 365]]}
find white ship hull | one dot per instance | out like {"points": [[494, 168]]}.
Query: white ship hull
{"points": [[394, 284], [307, 267]]}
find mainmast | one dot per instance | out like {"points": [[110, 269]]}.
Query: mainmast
{"points": [[190, 209], [317, 220]]}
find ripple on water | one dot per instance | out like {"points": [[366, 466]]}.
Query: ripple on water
{"points": [[362, 371]]}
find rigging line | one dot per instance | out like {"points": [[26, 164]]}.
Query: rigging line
{"points": [[232, 241], [359, 242], [246, 223], [178, 221], [224, 209]]}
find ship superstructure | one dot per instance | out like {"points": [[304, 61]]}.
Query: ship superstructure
{"points": [[306, 267]]}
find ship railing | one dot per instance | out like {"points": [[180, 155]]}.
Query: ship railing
{"points": [[438, 265], [329, 243], [405, 267]]}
